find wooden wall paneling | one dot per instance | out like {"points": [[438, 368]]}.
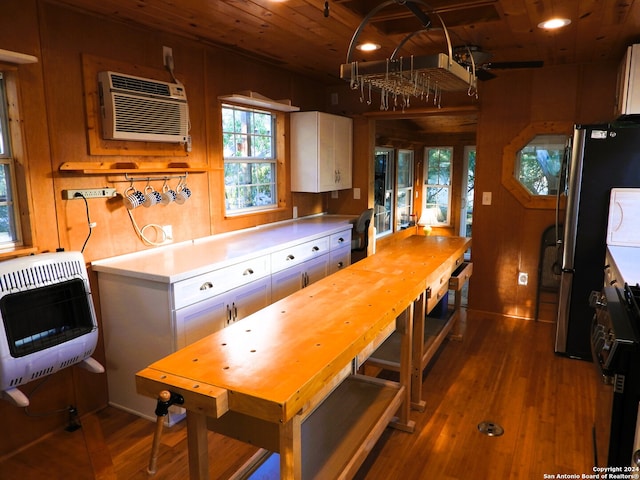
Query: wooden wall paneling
{"points": [[504, 110], [554, 104], [597, 87], [19, 32], [63, 64]]}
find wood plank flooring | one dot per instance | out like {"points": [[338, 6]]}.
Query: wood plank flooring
{"points": [[504, 371]]}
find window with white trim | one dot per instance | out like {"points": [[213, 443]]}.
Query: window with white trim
{"points": [[10, 232], [437, 179], [250, 161]]}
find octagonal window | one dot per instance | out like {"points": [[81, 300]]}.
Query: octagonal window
{"points": [[539, 164]]}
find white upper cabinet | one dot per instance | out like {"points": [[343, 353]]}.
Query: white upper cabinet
{"points": [[321, 152]]}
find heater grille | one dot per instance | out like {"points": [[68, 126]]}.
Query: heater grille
{"points": [[40, 275]]}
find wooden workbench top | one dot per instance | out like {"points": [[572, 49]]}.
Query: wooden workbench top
{"points": [[272, 363], [416, 255]]}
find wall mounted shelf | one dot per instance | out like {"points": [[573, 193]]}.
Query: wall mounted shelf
{"points": [[104, 168]]}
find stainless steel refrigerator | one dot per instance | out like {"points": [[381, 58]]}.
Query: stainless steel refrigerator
{"points": [[601, 157]]}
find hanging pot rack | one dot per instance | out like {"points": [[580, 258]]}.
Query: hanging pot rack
{"points": [[400, 79]]}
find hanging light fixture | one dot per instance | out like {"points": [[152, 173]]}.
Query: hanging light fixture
{"points": [[399, 79]]}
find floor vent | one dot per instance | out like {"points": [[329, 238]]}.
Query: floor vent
{"points": [[490, 429]]}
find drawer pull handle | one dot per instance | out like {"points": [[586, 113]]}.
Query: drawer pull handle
{"points": [[315, 248], [340, 264], [248, 271], [428, 292], [340, 240], [206, 286], [290, 257]]}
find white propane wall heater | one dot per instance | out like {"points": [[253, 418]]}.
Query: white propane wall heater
{"points": [[141, 109], [47, 320]]}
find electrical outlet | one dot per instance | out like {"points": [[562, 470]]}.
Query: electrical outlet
{"points": [[168, 232], [167, 57], [88, 193], [523, 278]]}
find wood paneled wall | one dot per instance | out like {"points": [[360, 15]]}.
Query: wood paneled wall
{"points": [[506, 235]]}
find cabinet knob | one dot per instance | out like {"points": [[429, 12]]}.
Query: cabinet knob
{"points": [[315, 248], [340, 264], [206, 286], [248, 271], [290, 257], [340, 240]]}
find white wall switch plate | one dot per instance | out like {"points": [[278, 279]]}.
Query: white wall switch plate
{"points": [[486, 198]]}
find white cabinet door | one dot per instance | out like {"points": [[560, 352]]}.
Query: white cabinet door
{"points": [[321, 152], [288, 281], [254, 296], [203, 318]]}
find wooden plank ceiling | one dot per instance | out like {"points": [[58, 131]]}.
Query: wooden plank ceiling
{"points": [[288, 33]]}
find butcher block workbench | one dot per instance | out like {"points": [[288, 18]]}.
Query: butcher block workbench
{"points": [[440, 262], [285, 378]]}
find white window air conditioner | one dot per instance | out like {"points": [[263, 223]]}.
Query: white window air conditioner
{"points": [[141, 109]]}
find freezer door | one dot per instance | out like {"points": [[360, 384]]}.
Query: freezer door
{"points": [[569, 238]]}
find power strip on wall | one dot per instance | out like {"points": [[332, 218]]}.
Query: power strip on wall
{"points": [[88, 193]]}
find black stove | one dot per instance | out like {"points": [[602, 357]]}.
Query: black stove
{"points": [[615, 345]]}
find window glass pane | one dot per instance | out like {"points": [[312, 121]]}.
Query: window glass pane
{"points": [[9, 222], [248, 138], [383, 190], [538, 164], [404, 189], [438, 185], [7, 218], [249, 185]]}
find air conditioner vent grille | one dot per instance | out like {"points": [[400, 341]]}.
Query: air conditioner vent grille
{"points": [[139, 115], [140, 85]]}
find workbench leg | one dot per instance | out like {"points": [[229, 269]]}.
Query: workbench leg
{"points": [[404, 326], [457, 332], [291, 449], [416, 353], [198, 446]]}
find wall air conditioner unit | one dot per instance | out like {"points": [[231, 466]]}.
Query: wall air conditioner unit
{"points": [[141, 109]]}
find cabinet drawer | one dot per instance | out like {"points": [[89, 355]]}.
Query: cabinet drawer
{"points": [[339, 259], [298, 254], [340, 239], [435, 293], [460, 276], [213, 283]]}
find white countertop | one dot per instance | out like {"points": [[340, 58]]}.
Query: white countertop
{"points": [[171, 263], [627, 260]]}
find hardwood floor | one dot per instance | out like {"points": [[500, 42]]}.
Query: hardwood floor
{"points": [[504, 371]]}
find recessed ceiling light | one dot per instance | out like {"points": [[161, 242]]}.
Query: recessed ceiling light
{"points": [[368, 47], [554, 23]]}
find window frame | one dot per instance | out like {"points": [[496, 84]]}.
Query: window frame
{"points": [[406, 189], [509, 173], [448, 187], [8, 158], [276, 159]]}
